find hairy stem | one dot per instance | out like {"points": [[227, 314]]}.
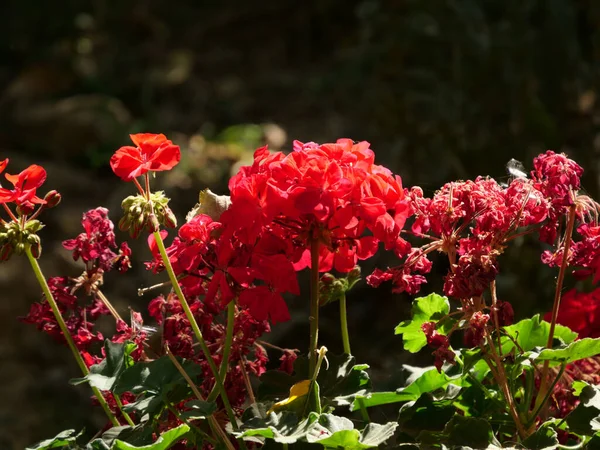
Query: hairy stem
{"points": [[226, 349], [194, 324], [344, 324], [314, 304], [108, 305], [63, 327], [212, 421], [541, 398]]}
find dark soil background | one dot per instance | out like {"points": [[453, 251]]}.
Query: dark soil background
{"points": [[443, 89]]}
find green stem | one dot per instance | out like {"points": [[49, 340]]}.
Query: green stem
{"points": [[363, 410], [344, 324], [314, 304], [226, 349], [125, 415], [63, 327], [188, 312]]}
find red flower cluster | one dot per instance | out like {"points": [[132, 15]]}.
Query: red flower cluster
{"points": [[177, 333], [331, 192], [152, 153], [96, 245]]}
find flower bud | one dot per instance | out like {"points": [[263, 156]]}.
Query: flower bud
{"points": [[33, 226], [327, 278], [36, 250], [19, 248], [128, 202], [124, 223], [169, 219], [52, 198], [25, 208], [152, 224], [354, 273], [33, 239]]}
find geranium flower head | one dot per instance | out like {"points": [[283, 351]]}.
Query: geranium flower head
{"points": [[152, 153], [25, 185]]}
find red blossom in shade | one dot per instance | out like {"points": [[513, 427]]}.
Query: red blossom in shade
{"points": [[3, 165], [474, 334], [580, 311], [25, 185], [287, 361], [440, 343], [152, 153]]}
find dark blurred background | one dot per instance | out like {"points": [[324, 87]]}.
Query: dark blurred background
{"points": [[443, 89]]}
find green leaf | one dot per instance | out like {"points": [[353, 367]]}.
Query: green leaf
{"points": [[425, 414], [104, 375], [545, 438], [198, 409], [430, 381], [284, 427], [62, 439], [532, 333], [338, 383], [165, 440], [156, 376], [338, 432], [469, 431], [581, 349], [424, 309], [584, 420]]}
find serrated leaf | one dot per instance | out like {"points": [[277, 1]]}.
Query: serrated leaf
{"points": [[338, 383], [159, 375], [104, 374], [424, 309], [338, 432], [62, 439], [283, 427], [534, 332], [429, 381], [164, 441], [469, 431], [425, 414], [545, 438], [198, 410], [581, 349]]}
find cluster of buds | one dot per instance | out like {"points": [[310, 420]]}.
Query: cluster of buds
{"points": [[14, 238], [141, 213], [331, 289]]}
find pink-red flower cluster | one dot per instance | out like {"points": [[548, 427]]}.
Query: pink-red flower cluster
{"points": [[440, 343]]}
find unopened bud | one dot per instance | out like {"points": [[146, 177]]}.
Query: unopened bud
{"points": [[169, 219], [36, 250], [33, 226], [124, 223], [52, 198], [327, 278], [127, 202], [33, 239], [354, 273], [152, 224], [26, 208], [19, 248]]}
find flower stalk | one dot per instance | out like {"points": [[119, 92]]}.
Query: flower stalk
{"points": [[344, 324], [194, 324], [314, 304], [63, 327]]}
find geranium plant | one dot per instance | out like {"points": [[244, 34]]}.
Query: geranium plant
{"points": [[493, 383]]}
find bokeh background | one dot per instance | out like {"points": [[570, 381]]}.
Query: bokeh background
{"points": [[443, 90]]}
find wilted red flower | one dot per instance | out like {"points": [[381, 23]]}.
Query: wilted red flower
{"points": [[152, 153], [25, 185]]}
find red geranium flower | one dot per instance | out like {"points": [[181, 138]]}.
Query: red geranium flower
{"points": [[25, 184], [152, 153], [580, 311]]}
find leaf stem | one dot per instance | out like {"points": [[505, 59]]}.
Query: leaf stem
{"points": [[123, 412], [190, 316], [344, 324], [63, 327], [314, 304]]}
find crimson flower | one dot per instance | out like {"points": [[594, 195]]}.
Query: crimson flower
{"points": [[152, 153], [580, 311], [25, 185]]}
